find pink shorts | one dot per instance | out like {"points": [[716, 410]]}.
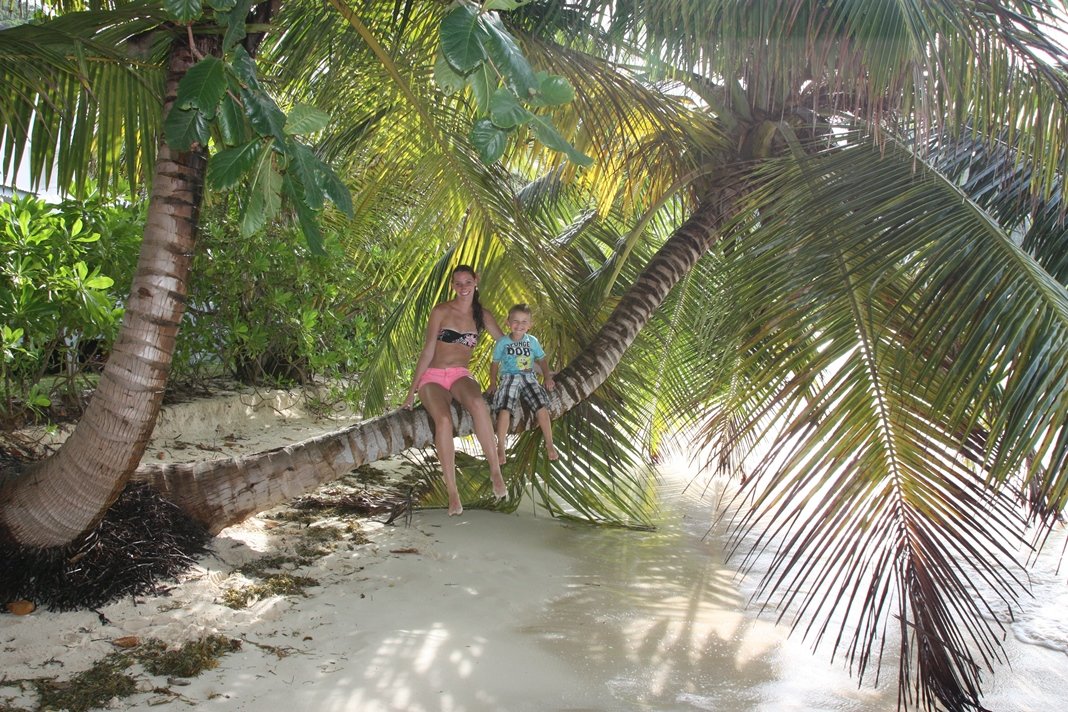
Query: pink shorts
{"points": [[444, 377]]}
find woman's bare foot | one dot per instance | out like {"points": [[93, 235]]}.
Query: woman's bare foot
{"points": [[455, 508], [500, 490], [553, 454]]}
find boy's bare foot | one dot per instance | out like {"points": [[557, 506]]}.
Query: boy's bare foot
{"points": [[553, 454], [502, 453], [455, 508]]}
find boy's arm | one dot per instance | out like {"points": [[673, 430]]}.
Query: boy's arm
{"points": [[546, 374], [493, 377]]}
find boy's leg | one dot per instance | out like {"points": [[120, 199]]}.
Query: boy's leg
{"points": [[504, 419], [547, 432]]}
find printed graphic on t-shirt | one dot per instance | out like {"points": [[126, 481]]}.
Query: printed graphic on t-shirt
{"points": [[517, 356]]}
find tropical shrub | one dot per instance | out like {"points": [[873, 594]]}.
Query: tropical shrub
{"points": [[63, 269], [262, 309], [267, 311]]}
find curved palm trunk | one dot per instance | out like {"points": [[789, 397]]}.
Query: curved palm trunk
{"points": [[56, 500], [222, 492]]}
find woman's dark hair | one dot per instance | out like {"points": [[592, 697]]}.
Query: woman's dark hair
{"points": [[476, 305]]}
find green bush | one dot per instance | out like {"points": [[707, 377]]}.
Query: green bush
{"points": [[262, 309], [63, 271], [266, 311]]}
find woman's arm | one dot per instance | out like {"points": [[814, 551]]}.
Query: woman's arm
{"points": [[430, 342], [491, 325]]}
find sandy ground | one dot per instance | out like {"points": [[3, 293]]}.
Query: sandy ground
{"points": [[419, 615], [476, 613]]}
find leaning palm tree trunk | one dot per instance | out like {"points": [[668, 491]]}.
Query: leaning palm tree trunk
{"points": [[222, 492], [53, 502]]}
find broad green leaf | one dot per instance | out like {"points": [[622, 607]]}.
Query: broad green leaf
{"points": [[265, 197], [305, 216], [309, 173], [203, 86], [304, 119], [228, 167], [264, 115], [462, 38], [221, 5], [448, 79], [234, 22], [546, 132], [505, 4], [489, 140], [506, 111], [336, 190], [483, 83], [245, 68], [508, 57], [99, 282], [555, 90], [184, 11], [185, 127], [231, 121]]}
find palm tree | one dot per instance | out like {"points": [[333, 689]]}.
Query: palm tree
{"points": [[866, 312], [56, 500], [850, 314], [868, 318], [864, 304], [62, 102]]}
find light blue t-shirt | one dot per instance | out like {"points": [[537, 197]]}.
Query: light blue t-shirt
{"points": [[517, 356]]}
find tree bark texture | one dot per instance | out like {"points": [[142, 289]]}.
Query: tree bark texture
{"points": [[226, 491], [54, 501]]}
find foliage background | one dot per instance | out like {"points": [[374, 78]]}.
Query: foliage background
{"points": [[262, 310]]}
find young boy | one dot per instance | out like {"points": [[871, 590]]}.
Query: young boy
{"points": [[514, 356]]}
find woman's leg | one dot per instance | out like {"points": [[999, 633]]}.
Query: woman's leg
{"points": [[468, 392], [438, 404]]}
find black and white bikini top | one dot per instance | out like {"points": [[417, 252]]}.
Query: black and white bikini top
{"points": [[465, 338]]}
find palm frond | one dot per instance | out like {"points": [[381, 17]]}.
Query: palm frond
{"points": [[928, 68], [83, 99], [1000, 184], [917, 375]]}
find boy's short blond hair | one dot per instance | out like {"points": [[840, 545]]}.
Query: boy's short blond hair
{"points": [[521, 307]]}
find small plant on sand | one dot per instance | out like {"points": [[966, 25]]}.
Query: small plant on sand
{"points": [[369, 475], [318, 542], [193, 658], [259, 567], [95, 687], [273, 585]]}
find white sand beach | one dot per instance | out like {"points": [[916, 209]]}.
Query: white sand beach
{"points": [[485, 611]]}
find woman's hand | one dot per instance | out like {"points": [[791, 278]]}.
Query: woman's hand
{"points": [[409, 401]]}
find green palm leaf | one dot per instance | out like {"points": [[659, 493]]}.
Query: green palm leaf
{"points": [[83, 97], [901, 429]]}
